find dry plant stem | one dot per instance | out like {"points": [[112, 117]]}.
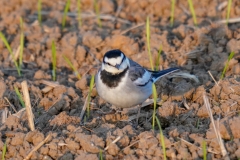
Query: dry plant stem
{"points": [[50, 85], [28, 105], [185, 103], [84, 109], [135, 143], [47, 89], [120, 7], [231, 20], [127, 30], [4, 115], [88, 129], [37, 147], [13, 69], [130, 118], [10, 104], [222, 5], [115, 141], [20, 113], [131, 145], [91, 54], [93, 15], [209, 150], [217, 132], [184, 9], [17, 53], [213, 78]]}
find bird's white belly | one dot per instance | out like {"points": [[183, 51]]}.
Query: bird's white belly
{"points": [[125, 95]]}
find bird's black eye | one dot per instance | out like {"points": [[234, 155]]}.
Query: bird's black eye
{"points": [[108, 64]]}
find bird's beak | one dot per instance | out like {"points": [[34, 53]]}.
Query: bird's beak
{"points": [[117, 66]]}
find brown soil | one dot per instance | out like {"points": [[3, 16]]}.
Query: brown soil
{"points": [[182, 112]]}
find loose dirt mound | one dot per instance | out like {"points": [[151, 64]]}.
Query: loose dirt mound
{"points": [[57, 107]]}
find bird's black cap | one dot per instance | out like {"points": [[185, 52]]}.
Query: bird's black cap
{"points": [[113, 53]]}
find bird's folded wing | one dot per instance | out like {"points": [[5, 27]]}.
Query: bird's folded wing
{"points": [[138, 74]]}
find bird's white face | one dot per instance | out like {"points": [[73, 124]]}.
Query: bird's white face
{"points": [[116, 64]]}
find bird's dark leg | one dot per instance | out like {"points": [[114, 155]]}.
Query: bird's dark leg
{"points": [[138, 115]]}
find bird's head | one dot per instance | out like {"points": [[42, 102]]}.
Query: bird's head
{"points": [[114, 61]]}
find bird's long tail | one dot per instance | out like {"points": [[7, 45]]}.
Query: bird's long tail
{"points": [[159, 74]]}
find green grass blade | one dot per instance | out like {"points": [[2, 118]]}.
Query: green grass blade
{"points": [[79, 12], [154, 105], [96, 7], [226, 66], [148, 42], [6, 43], [21, 43], [172, 11], [162, 139], [10, 51], [65, 13], [39, 7], [19, 96], [204, 149], [89, 95], [4, 151], [158, 58], [100, 155], [192, 12], [73, 68], [229, 9], [54, 61]]}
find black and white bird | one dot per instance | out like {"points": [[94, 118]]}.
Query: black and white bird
{"points": [[123, 82]]}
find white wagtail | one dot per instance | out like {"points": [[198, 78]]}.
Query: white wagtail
{"points": [[123, 82]]}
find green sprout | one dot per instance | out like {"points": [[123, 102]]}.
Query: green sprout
{"points": [[4, 151], [158, 58], [192, 12], [148, 42], [162, 139], [54, 61], [154, 104], [89, 95], [65, 13], [19, 96], [100, 155], [21, 43], [10, 51], [226, 66], [172, 11], [204, 149], [229, 9], [79, 13], [39, 7], [73, 68], [96, 7]]}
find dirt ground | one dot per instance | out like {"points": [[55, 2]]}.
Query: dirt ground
{"points": [[184, 118]]}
